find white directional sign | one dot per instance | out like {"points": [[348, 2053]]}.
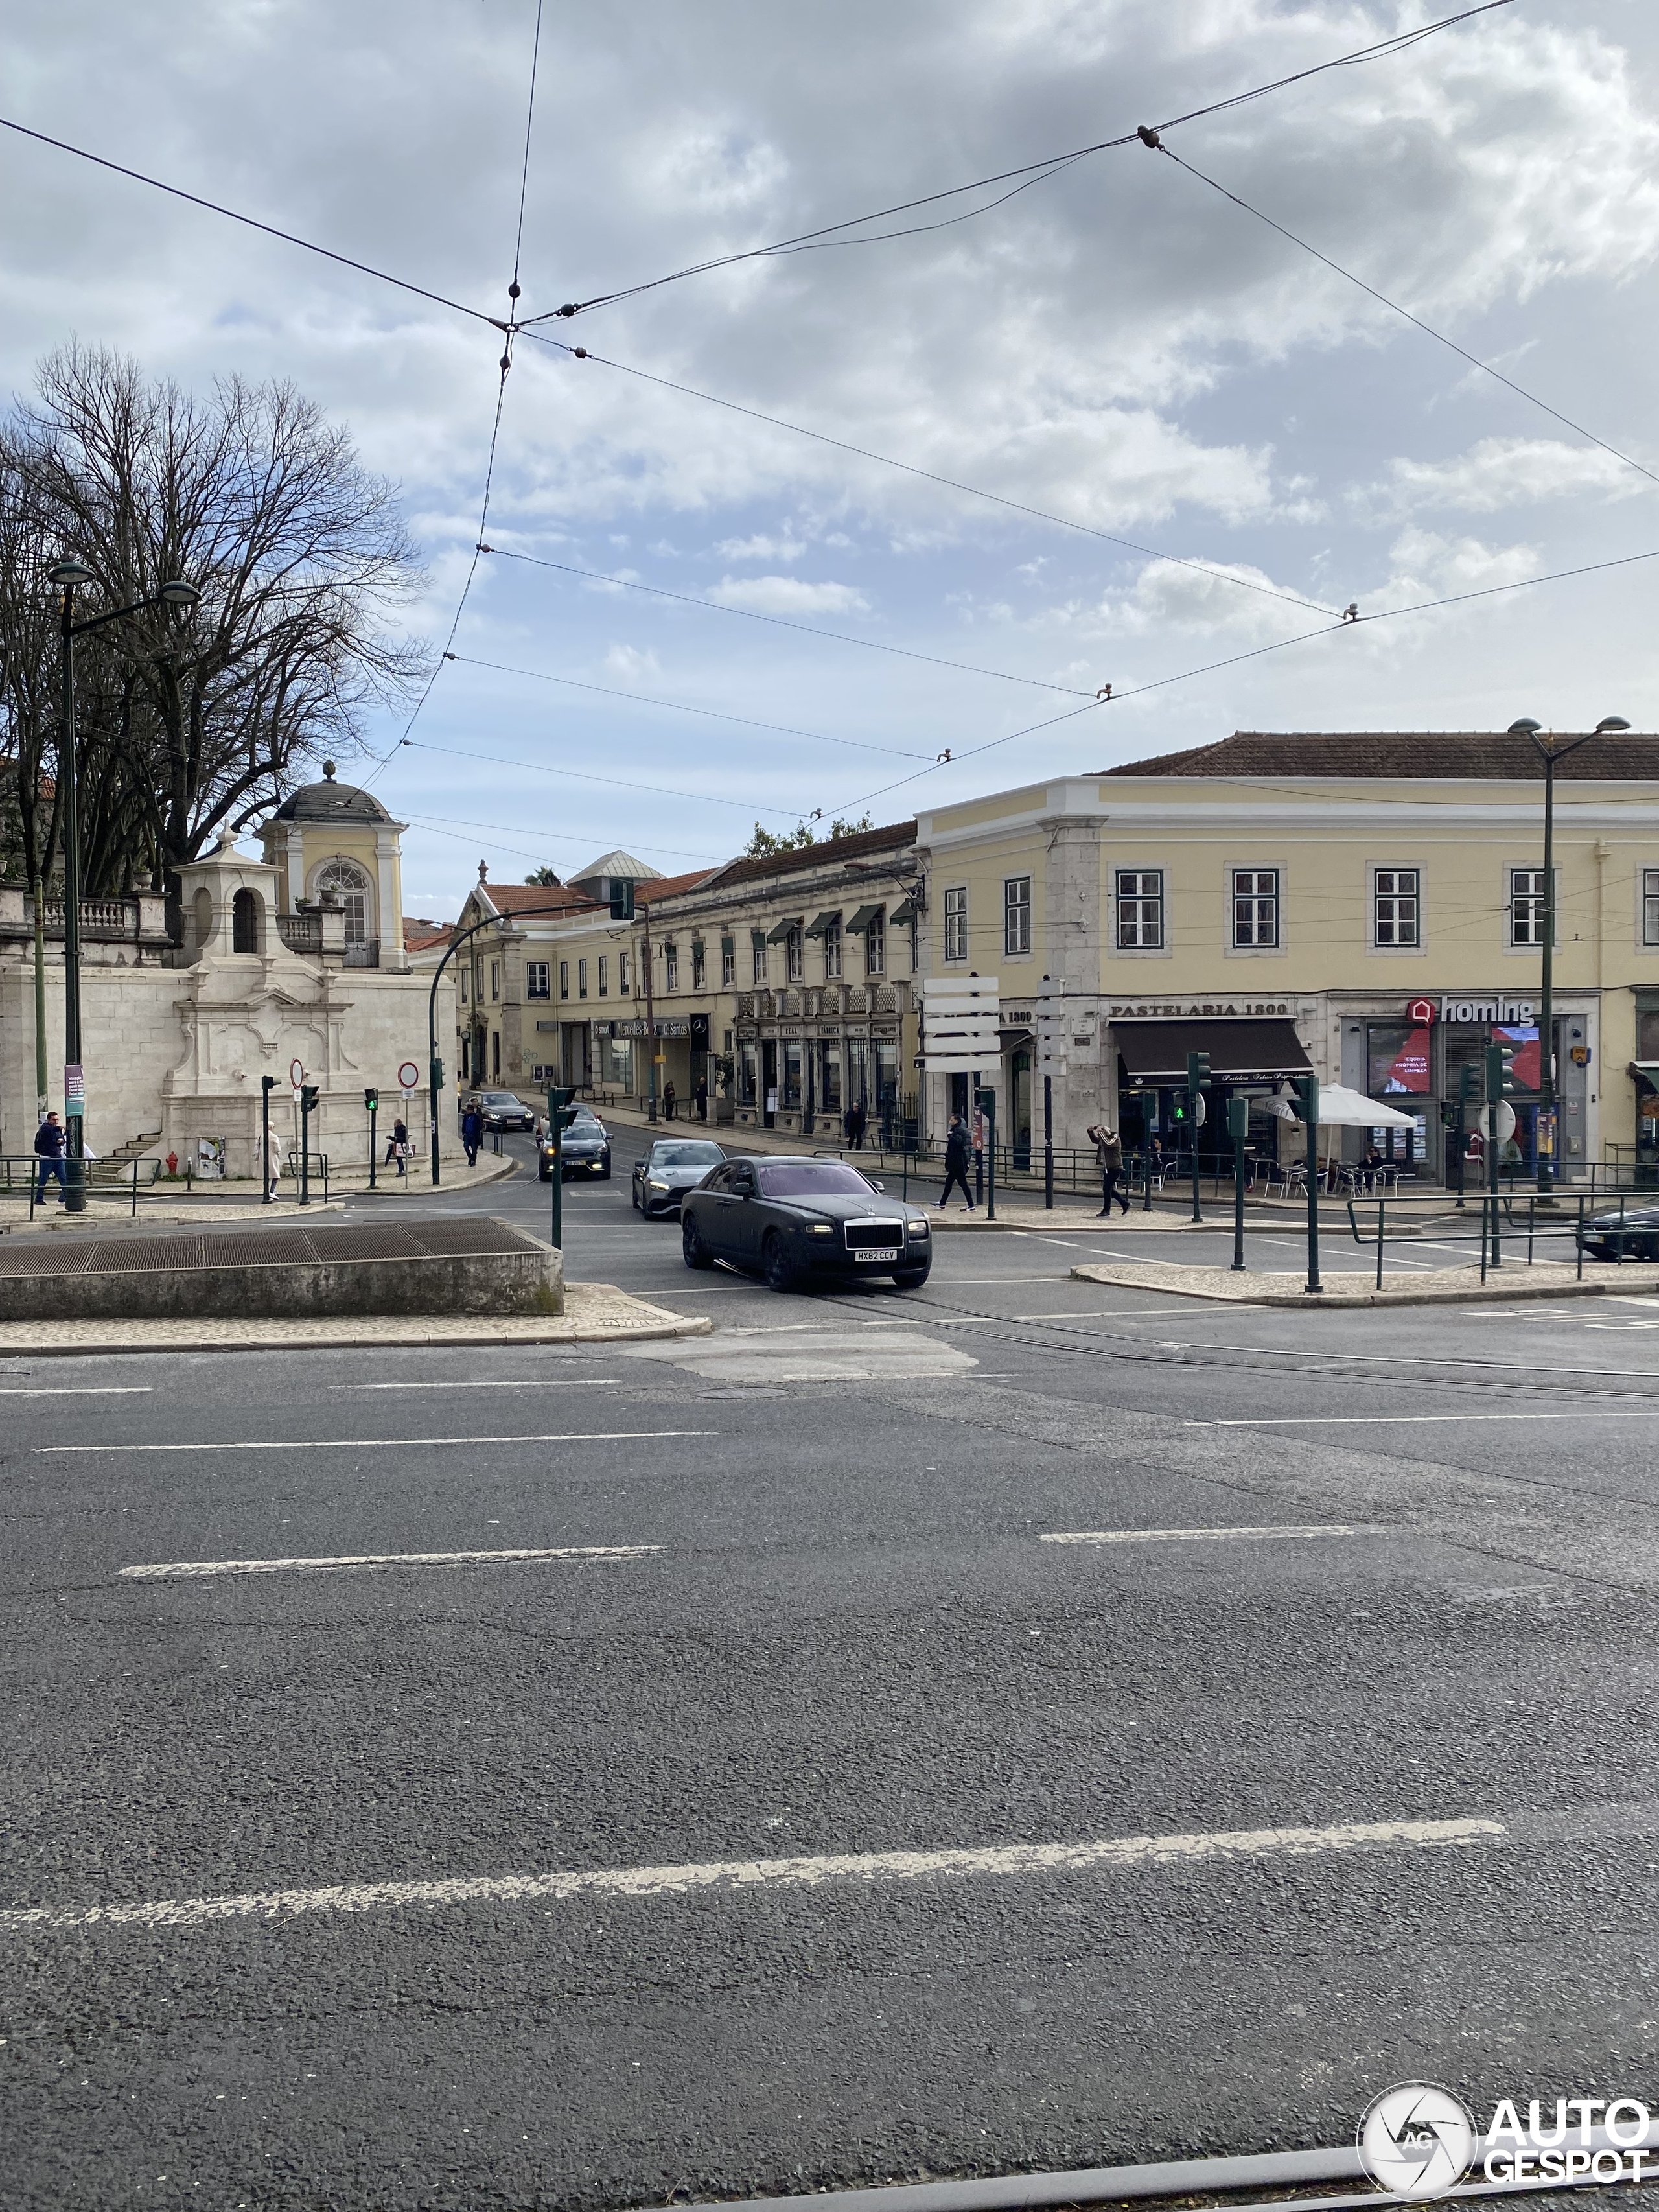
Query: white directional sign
{"points": [[1051, 1038], [962, 1029]]}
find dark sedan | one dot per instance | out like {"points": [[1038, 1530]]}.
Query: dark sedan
{"points": [[792, 1219], [1632, 1234], [500, 1109], [584, 1149], [671, 1167]]}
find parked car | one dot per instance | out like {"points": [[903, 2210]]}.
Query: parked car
{"points": [[1632, 1235], [671, 1167], [792, 1219], [584, 1149], [500, 1109]]}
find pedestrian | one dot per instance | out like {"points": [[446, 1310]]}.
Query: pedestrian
{"points": [[1108, 1158], [700, 1098], [472, 1134], [668, 1102], [860, 1121], [397, 1148], [958, 1153], [49, 1144], [273, 1162]]}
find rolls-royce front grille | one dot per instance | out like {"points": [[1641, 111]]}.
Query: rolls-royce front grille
{"points": [[862, 1235]]}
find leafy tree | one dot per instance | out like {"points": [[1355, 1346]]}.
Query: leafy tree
{"points": [[548, 878], [765, 842]]}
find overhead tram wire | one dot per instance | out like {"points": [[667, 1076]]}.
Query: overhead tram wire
{"points": [[779, 621], [681, 707], [929, 475], [1151, 137], [615, 782], [434, 826], [1036, 172]]}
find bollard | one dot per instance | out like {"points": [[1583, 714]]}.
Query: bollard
{"points": [[1381, 1204]]}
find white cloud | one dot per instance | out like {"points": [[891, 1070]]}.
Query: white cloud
{"points": [[628, 665], [761, 547], [787, 595], [1503, 472]]}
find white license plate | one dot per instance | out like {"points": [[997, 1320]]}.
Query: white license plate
{"points": [[884, 1252]]}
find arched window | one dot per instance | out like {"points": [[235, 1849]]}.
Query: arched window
{"points": [[201, 914], [352, 884], [244, 922]]}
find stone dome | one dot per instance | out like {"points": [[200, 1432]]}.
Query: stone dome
{"points": [[328, 801]]}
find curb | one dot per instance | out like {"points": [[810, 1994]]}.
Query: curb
{"points": [[1475, 1293]]}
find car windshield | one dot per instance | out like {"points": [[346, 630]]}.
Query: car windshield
{"points": [[811, 1179], [686, 1156], [501, 1098]]}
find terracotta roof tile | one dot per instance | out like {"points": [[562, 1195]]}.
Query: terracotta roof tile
{"points": [[815, 856], [1408, 755]]}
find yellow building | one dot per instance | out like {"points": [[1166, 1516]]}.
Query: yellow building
{"points": [[1370, 905], [336, 852]]}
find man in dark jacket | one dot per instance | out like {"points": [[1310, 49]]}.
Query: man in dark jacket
{"points": [[1108, 1158], [49, 1144], [958, 1153], [472, 1134]]}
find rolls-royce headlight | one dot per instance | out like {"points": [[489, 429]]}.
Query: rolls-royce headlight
{"points": [[820, 1228], [919, 1228]]}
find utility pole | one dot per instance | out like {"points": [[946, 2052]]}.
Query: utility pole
{"points": [[650, 1024]]}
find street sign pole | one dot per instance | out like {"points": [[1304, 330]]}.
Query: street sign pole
{"points": [[371, 1100], [1307, 1089], [1048, 1142], [985, 1102], [1238, 1124]]}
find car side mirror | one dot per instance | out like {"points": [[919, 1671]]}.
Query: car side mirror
{"points": [[878, 1186]]}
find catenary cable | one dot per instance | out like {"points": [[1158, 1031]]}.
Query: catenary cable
{"points": [[681, 707], [779, 621], [617, 783], [1036, 171], [1395, 308]]}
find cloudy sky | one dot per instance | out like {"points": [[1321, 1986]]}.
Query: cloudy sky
{"points": [[1118, 346]]}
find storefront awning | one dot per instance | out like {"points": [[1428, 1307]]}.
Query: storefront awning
{"points": [[824, 924], [862, 919], [905, 913], [1155, 1052], [776, 935]]}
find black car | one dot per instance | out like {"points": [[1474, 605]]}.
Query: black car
{"points": [[1632, 1234], [500, 1109], [792, 1219], [671, 1167], [584, 1149]]}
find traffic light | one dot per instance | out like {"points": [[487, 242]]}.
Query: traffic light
{"points": [[560, 1109], [1500, 1072], [308, 1097], [1307, 1091], [371, 1101], [1198, 1072]]}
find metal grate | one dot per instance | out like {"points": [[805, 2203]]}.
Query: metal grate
{"points": [[51, 1259]]}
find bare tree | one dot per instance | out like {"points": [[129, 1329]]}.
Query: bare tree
{"points": [[190, 720]]}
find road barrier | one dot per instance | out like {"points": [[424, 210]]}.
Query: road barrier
{"points": [[1502, 1217]]}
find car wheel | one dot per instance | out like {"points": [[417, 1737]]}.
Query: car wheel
{"points": [[779, 1263], [696, 1252], [912, 1278]]}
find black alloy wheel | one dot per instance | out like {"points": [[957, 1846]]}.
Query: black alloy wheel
{"points": [[696, 1252], [782, 1273]]}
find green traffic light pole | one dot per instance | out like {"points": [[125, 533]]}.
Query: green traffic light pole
{"points": [[1238, 1127], [267, 1085], [434, 1066], [372, 1102], [66, 576], [1308, 1090], [1198, 1077], [560, 1115], [1552, 749]]}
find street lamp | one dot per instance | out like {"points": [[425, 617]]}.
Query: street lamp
{"points": [[1552, 749], [65, 575]]}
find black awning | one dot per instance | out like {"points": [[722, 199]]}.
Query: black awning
{"points": [[1155, 1052], [785, 928], [825, 922]]}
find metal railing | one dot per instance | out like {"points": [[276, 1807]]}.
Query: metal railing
{"points": [[1505, 1219], [101, 1178]]}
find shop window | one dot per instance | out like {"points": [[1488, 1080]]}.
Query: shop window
{"points": [[1395, 914], [1140, 909], [1255, 909], [1017, 915], [832, 950], [830, 1083], [605, 974], [875, 946], [536, 979], [956, 924], [791, 1100], [794, 951], [1650, 905], [1529, 905], [1397, 1059]]}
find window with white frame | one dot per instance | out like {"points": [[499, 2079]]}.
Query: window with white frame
{"points": [[1650, 905], [536, 978], [622, 974], [1396, 915], [832, 951], [671, 967], [581, 979], [699, 966], [1017, 915], [728, 964], [1140, 900], [605, 974], [956, 924], [495, 979], [757, 959], [1255, 909], [464, 986], [1529, 905], [564, 978], [875, 946], [794, 948]]}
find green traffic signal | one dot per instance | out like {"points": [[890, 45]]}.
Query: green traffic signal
{"points": [[308, 1097], [371, 1102]]}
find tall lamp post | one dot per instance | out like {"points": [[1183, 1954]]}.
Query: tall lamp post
{"points": [[66, 576], [1552, 749]]}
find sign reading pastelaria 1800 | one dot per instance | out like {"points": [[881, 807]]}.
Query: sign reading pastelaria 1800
{"points": [[1140, 1010]]}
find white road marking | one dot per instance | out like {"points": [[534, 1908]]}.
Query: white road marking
{"points": [[1207, 1535], [82, 1390], [873, 1867], [476, 1382], [188, 1570], [474, 1442], [1374, 1420]]}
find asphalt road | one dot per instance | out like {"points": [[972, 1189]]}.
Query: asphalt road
{"points": [[415, 1859]]}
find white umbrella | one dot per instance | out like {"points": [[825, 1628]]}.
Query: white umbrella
{"points": [[1342, 1108]]}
